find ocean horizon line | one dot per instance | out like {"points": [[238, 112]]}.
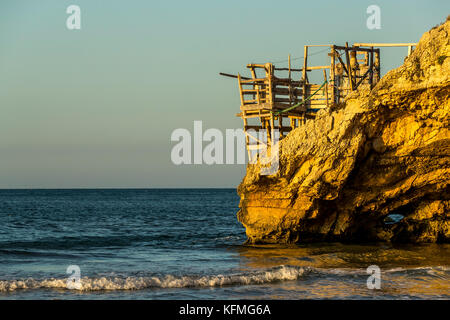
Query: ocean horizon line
{"points": [[119, 188]]}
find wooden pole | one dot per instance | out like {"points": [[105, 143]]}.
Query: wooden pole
{"points": [[349, 70], [305, 66], [332, 74], [305, 62], [269, 77], [240, 90], [326, 85], [385, 44], [290, 95], [289, 62], [371, 68]]}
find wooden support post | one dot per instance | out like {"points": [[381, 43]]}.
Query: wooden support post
{"points": [[290, 84], [305, 65], [349, 69], [377, 65], [371, 68], [240, 89], [270, 131], [326, 86], [255, 87], [246, 136], [269, 67], [332, 74], [289, 62], [280, 125]]}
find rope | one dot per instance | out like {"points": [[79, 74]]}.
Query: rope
{"points": [[300, 103], [297, 58]]}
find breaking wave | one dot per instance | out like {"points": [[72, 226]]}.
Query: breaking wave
{"points": [[281, 273]]}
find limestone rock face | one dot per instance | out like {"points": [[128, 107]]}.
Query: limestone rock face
{"points": [[383, 152]]}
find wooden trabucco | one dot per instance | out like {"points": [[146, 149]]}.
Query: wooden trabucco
{"points": [[284, 103]]}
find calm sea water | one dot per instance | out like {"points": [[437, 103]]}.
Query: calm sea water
{"points": [[187, 244]]}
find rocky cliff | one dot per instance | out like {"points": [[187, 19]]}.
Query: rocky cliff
{"points": [[384, 151]]}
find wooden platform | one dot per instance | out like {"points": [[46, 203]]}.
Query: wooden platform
{"points": [[284, 103]]}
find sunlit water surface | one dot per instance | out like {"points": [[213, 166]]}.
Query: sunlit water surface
{"points": [[187, 244]]}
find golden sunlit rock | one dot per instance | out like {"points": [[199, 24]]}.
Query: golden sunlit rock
{"points": [[383, 152]]}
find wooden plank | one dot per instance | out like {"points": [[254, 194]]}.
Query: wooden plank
{"points": [[352, 48], [256, 65], [250, 107], [253, 127], [285, 91], [317, 67], [232, 76], [385, 44]]}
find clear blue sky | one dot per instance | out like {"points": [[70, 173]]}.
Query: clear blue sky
{"points": [[95, 107]]}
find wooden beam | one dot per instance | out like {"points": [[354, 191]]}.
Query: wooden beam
{"points": [[287, 69], [317, 68], [305, 62], [240, 90], [371, 69], [232, 76], [352, 48], [385, 44], [332, 79]]}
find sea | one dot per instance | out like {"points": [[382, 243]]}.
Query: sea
{"points": [[188, 244]]}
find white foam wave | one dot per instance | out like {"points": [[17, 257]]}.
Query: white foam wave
{"points": [[138, 283], [362, 271]]}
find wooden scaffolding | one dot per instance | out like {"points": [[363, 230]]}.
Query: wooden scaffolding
{"points": [[281, 103]]}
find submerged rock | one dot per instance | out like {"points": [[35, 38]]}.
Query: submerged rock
{"points": [[384, 151]]}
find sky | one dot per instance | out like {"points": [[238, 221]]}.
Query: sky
{"points": [[95, 107]]}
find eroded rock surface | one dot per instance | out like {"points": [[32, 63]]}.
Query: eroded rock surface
{"points": [[384, 152]]}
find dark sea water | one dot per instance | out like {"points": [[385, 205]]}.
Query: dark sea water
{"points": [[187, 244]]}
